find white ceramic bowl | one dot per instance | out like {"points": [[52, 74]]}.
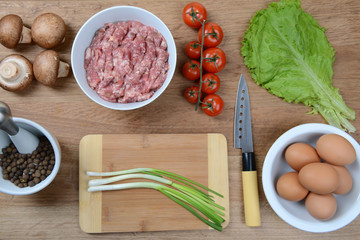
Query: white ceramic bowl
{"points": [[8, 187], [86, 34], [295, 213]]}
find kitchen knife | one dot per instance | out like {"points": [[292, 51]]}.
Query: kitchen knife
{"points": [[243, 140]]}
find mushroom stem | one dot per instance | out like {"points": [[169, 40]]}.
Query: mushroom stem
{"points": [[63, 69], [25, 35], [9, 70], [16, 72]]}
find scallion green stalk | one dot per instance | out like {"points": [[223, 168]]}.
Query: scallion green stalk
{"points": [[185, 189], [188, 196], [182, 199], [153, 171]]}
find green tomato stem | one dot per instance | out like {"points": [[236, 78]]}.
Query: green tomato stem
{"points": [[201, 64]]}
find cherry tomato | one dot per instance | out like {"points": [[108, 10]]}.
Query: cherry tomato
{"points": [[212, 105], [213, 35], [191, 70], [192, 94], [214, 60], [193, 50], [192, 13], [210, 83]]}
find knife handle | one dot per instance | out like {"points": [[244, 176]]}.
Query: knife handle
{"points": [[250, 191]]}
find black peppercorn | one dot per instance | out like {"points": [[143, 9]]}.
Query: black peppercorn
{"points": [[27, 169]]}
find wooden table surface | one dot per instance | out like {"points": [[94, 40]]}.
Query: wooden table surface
{"points": [[67, 112]]}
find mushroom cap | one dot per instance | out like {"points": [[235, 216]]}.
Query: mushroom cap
{"points": [[10, 30], [46, 67], [21, 70], [48, 30]]}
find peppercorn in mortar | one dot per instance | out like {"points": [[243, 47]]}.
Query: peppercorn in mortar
{"points": [[27, 169]]}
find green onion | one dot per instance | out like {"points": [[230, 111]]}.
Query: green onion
{"points": [[96, 182], [188, 196], [152, 171]]}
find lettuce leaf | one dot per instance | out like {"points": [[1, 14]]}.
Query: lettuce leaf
{"points": [[288, 53]]}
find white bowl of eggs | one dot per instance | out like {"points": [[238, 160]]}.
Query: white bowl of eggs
{"points": [[311, 177]]}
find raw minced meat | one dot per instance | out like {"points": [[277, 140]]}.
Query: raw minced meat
{"points": [[126, 62]]}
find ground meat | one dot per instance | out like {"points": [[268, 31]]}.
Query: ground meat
{"points": [[126, 62]]}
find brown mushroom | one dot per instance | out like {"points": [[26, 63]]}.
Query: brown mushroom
{"points": [[48, 30], [13, 32], [16, 72], [48, 67]]}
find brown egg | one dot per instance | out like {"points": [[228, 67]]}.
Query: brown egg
{"points": [[298, 155], [345, 180], [320, 178], [335, 149], [321, 206], [288, 186]]}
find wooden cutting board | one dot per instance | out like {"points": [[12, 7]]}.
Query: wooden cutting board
{"points": [[200, 157]]}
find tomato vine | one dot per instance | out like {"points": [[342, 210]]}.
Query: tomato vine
{"points": [[201, 63], [210, 59]]}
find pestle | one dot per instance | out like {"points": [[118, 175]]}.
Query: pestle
{"points": [[24, 141], [4, 140]]}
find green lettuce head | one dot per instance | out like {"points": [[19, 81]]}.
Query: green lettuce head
{"points": [[288, 53]]}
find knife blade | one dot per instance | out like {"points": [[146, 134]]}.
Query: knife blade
{"points": [[243, 139]]}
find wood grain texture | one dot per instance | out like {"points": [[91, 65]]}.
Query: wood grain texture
{"points": [[218, 171], [70, 115], [90, 204], [142, 210]]}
